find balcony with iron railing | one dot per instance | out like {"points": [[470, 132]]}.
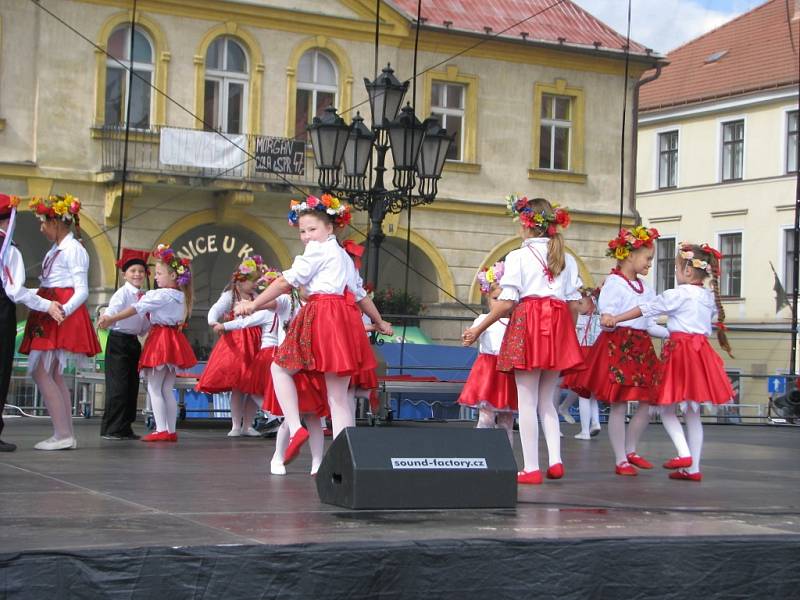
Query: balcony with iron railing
{"points": [[191, 153]]}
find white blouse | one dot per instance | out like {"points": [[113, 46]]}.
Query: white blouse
{"points": [[14, 282], [124, 297], [325, 268], [224, 304], [617, 297], [524, 274], [165, 305], [689, 308], [270, 321], [66, 265], [490, 340]]}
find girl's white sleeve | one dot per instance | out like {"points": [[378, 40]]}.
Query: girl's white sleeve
{"points": [[306, 265], [220, 307], [258, 318], [512, 278], [79, 270], [663, 304], [150, 302], [572, 283]]}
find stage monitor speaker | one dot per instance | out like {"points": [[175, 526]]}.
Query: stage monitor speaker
{"points": [[423, 467]]}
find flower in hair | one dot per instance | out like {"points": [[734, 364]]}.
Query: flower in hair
{"points": [[519, 208], [249, 269], [490, 275], [338, 211], [629, 240], [687, 254], [64, 207], [268, 275], [182, 266]]}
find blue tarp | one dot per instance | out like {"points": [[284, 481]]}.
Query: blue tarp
{"points": [[446, 363]]}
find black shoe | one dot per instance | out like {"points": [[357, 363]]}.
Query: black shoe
{"points": [[7, 446], [112, 436], [130, 436]]}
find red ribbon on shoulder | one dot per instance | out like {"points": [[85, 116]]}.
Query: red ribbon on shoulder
{"points": [[356, 251]]}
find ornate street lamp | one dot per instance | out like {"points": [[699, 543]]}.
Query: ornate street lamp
{"points": [[418, 152]]}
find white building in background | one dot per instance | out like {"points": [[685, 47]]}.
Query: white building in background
{"points": [[717, 162]]}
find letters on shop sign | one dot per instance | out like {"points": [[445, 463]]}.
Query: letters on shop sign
{"points": [[212, 243]]}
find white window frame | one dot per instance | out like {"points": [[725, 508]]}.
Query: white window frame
{"points": [[656, 273], [657, 157], [130, 68], [553, 123], [785, 140], [782, 251], [455, 112], [225, 78], [719, 235], [720, 124], [314, 87]]}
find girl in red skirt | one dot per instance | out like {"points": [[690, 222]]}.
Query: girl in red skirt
{"points": [[492, 392], [232, 354], [60, 325], [166, 348], [312, 402], [540, 339], [622, 363], [692, 372], [326, 336]]}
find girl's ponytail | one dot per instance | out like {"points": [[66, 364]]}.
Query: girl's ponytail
{"points": [[722, 337], [188, 297], [555, 254]]}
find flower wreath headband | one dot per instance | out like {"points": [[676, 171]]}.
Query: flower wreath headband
{"points": [[64, 207], [250, 269], [165, 254], [268, 275], [519, 209], [338, 211], [687, 254], [629, 240], [490, 275]]}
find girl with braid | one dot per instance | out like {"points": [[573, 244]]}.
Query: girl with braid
{"points": [[692, 372]]}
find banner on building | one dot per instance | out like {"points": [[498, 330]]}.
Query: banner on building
{"points": [[280, 155], [202, 149]]}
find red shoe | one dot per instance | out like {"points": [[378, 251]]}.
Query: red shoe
{"points": [[295, 443], [529, 477], [555, 471], [679, 462], [327, 432], [625, 468], [156, 436], [172, 437], [686, 476], [638, 461]]}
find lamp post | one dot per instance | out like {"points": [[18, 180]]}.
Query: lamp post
{"points": [[418, 153]]}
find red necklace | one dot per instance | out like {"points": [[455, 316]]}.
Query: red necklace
{"points": [[637, 287]]}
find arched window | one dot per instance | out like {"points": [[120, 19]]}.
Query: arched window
{"points": [[317, 89], [122, 86], [226, 83]]}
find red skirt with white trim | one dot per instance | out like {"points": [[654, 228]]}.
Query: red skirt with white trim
{"points": [[692, 370], [312, 394], [74, 334], [327, 336], [486, 387], [229, 361], [540, 335], [166, 345], [621, 366]]}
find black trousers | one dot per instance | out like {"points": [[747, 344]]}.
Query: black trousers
{"points": [[8, 333], [122, 383]]}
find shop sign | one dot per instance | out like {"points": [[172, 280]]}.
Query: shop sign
{"points": [[280, 155], [212, 243]]}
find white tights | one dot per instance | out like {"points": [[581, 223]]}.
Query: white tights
{"points": [[621, 444], [504, 420], [243, 410], [316, 441], [159, 387], [531, 387], [589, 411], [673, 427], [56, 397]]}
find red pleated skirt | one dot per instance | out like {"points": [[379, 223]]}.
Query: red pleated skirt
{"points": [[621, 366], [571, 379], [540, 335], [227, 366], [312, 394], [74, 334], [486, 387], [692, 370], [166, 345], [327, 336]]}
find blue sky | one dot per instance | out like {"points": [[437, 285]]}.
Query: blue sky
{"points": [[665, 24]]}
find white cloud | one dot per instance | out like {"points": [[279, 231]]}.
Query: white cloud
{"points": [[665, 24]]}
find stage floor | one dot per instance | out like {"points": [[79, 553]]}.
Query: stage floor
{"points": [[210, 490]]}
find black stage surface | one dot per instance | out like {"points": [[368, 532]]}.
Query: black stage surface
{"points": [[203, 519]]}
